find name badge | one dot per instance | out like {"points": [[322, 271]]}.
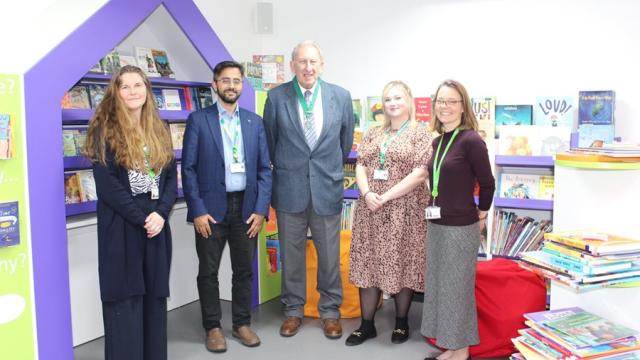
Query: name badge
{"points": [[381, 174], [237, 167], [155, 193], [432, 212]]}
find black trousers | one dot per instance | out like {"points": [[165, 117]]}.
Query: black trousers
{"points": [[231, 229], [135, 328]]}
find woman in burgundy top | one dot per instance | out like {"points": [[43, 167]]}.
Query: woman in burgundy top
{"points": [[460, 160]]}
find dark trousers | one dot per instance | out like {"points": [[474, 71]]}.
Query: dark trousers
{"points": [[135, 328], [231, 229]]}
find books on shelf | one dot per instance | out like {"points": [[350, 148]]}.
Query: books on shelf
{"points": [[111, 62], [171, 99], [253, 73], [96, 94], [533, 140], [159, 97], [513, 234], [73, 140], [145, 61], [596, 107], [554, 111], [76, 98], [71, 188], [87, 186], [485, 110], [348, 209], [177, 134], [9, 224], [596, 243], [7, 142], [204, 96], [519, 186], [513, 115], [162, 63], [594, 135], [349, 182]]}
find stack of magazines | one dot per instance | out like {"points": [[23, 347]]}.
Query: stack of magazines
{"points": [[573, 333], [584, 260]]}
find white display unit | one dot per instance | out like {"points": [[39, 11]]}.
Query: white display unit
{"points": [[593, 196]]}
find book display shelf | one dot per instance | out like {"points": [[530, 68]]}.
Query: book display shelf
{"points": [[518, 221], [599, 196]]}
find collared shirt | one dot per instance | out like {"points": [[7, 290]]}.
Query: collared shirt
{"points": [[229, 127], [317, 109]]}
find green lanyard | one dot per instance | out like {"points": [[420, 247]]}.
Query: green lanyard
{"points": [[437, 166], [382, 155], [307, 109], [150, 171], [234, 138]]}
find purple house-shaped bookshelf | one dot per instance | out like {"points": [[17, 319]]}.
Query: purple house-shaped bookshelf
{"points": [[45, 84]]}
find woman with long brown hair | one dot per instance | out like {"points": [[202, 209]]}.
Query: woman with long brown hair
{"points": [[135, 174]]}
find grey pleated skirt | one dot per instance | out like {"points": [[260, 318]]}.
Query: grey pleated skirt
{"points": [[449, 312]]}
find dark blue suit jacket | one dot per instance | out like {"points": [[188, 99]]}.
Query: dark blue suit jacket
{"points": [[203, 173]]}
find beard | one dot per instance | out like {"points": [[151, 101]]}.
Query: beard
{"points": [[229, 97]]}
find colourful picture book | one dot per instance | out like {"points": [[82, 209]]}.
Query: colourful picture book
{"points": [[177, 134], [69, 142], [519, 140], [157, 95], [519, 186], [485, 110], [594, 242], [253, 73], [7, 142], [594, 135], [162, 63], [96, 94], [272, 68], [374, 113], [111, 62], [71, 189], [76, 98], [9, 224], [171, 99], [513, 115], [349, 170], [545, 187], [554, 111], [87, 186], [596, 107], [357, 139], [591, 329], [357, 112], [423, 109], [144, 59], [204, 96]]}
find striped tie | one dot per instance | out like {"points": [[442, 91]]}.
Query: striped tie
{"points": [[309, 126]]}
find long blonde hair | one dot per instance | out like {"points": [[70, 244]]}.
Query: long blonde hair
{"points": [[113, 128], [408, 98]]}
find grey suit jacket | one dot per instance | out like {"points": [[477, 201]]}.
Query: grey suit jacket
{"points": [[301, 174]]}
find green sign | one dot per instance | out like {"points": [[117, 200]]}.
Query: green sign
{"points": [[17, 339]]}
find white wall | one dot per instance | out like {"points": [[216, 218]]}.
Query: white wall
{"points": [[513, 49]]}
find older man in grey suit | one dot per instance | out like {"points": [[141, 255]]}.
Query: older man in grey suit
{"points": [[309, 126]]}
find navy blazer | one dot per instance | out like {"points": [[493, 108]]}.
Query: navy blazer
{"points": [[122, 237], [203, 175]]}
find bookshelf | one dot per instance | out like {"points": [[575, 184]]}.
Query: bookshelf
{"points": [[501, 241]]}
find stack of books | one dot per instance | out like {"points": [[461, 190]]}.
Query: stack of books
{"points": [[513, 234], [573, 333], [584, 260]]}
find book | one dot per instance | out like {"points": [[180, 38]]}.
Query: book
{"points": [[595, 136], [596, 107], [159, 97], [423, 109], [127, 60], [177, 134], [71, 189], [513, 115], [357, 113], [96, 94], [179, 175], [76, 98], [204, 96], [7, 144], [591, 329], [595, 243], [162, 63], [357, 140], [485, 110], [519, 186], [272, 70], [545, 187], [111, 62], [554, 111], [144, 59], [519, 140], [69, 147], [374, 113], [171, 99], [9, 224], [253, 73], [87, 186]]}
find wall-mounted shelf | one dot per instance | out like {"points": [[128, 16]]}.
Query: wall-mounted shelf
{"points": [[599, 165], [82, 116], [531, 204], [103, 78], [524, 161]]}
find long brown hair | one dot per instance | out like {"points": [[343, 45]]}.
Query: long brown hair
{"points": [[468, 120], [113, 128]]}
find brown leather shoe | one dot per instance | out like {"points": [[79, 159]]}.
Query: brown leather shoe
{"points": [[332, 328], [215, 341], [246, 336], [290, 326]]}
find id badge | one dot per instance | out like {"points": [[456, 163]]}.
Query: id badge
{"points": [[381, 174], [155, 193], [432, 212], [237, 167]]}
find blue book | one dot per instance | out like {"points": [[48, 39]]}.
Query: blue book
{"points": [[593, 135], [596, 107], [9, 224], [513, 115]]}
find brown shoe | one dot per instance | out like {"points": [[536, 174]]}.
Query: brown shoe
{"points": [[332, 328], [246, 336], [215, 341], [290, 326]]}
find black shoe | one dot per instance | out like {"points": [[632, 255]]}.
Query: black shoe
{"points": [[359, 336], [398, 336]]}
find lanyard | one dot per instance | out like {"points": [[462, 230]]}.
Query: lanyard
{"points": [[437, 166], [150, 171], [382, 155], [307, 109], [234, 138]]}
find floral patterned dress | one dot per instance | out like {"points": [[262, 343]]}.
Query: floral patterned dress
{"points": [[388, 246]]}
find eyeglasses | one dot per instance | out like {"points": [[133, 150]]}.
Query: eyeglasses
{"points": [[229, 81], [443, 102]]}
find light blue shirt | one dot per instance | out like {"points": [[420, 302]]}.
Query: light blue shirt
{"points": [[229, 127]]}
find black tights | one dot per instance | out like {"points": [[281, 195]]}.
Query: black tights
{"points": [[369, 298]]}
